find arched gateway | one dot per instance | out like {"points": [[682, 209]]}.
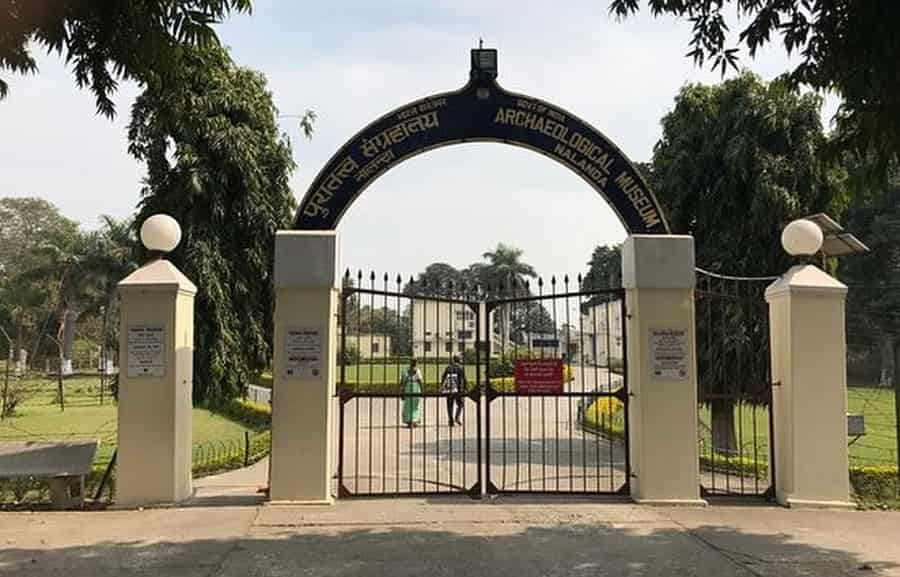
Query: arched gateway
{"points": [[522, 433], [481, 111]]}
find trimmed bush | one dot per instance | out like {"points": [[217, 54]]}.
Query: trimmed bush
{"points": [[875, 485], [256, 416]]}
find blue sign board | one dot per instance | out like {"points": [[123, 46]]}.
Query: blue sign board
{"points": [[481, 111]]}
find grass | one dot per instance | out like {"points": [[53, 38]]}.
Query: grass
{"points": [[877, 448], [378, 373], [38, 418]]}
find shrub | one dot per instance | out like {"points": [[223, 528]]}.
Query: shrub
{"points": [[875, 484], [257, 416], [350, 355]]}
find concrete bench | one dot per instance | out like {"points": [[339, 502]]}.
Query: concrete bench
{"points": [[63, 464]]}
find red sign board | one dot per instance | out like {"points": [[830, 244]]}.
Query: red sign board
{"points": [[539, 376]]}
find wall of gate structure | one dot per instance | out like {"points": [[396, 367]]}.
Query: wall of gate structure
{"points": [[734, 385]]}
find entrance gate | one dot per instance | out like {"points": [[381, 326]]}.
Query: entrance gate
{"points": [[515, 434], [736, 424]]}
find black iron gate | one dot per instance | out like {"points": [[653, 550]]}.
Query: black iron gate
{"points": [[571, 438], [734, 386], [394, 436], [431, 437]]}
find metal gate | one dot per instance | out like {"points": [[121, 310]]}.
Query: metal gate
{"points": [[734, 386], [540, 437], [398, 440], [394, 440]]}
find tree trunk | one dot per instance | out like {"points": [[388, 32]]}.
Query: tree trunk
{"points": [[887, 360], [722, 416]]}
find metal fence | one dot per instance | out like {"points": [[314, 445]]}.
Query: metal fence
{"points": [[734, 386]]}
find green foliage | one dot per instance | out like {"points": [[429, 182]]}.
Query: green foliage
{"points": [[605, 267], [876, 485], [256, 416], [835, 40], [108, 41], [749, 149], [350, 355], [228, 187]]}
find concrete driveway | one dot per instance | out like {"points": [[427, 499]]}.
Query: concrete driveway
{"points": [[510, 536]]}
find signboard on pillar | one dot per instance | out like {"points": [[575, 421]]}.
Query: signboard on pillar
{"points": [[669, 354], [303, 352], [539, 376], [146, 351]]}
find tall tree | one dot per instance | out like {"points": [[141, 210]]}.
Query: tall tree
{"points": [[108, 41], [848, 46], [873, 301], [736, 162], [227, 185], [504, 271], [605, 267]]}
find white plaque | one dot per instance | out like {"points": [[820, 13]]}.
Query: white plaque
{"points": [[669, 353], [146, 351], [302, 352]]}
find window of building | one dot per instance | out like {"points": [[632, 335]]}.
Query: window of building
{"points": [[448, 347], [464, 335], [427, 347], [375, 348]]}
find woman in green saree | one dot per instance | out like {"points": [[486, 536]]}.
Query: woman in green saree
{"points": [[411, 382]]}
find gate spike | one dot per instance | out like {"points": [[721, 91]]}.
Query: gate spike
{"points": [[399, 280], [541, 281], [385, 278], [359, 276], [553, 280], [579, 279], [566, 280], [372, 276]]}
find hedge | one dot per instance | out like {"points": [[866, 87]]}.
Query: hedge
{"points": [[257, 416], [875, 485]]}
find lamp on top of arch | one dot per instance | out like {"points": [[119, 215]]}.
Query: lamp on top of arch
{"points": [[160, 234], [802, 237]]}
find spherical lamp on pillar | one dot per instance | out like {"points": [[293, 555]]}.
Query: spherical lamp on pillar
{"points": [[801, 238], [160, 234]]}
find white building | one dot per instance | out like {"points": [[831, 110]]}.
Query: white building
{"points": [[442, 329], [602, 333]]}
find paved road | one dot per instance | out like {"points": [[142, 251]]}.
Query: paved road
{"points": [[511, 536], [535, 444]]}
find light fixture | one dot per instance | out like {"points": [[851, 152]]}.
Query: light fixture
{"points": [[160, 234], [801, 237]]}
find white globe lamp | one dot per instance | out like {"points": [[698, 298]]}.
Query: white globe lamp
{"points": [[160, 234], [802, 238]]}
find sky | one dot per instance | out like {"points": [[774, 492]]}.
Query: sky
{"points": [[353, 61]]}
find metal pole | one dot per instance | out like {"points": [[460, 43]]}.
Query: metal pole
{"points": [[896, 383], [5, 385], [103, 356]]}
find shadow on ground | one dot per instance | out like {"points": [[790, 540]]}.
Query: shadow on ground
{"points": [[466, 548]]}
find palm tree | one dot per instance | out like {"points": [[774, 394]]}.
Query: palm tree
{"points": [[504, 269]]}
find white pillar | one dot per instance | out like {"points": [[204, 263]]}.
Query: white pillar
{"points": [[808, 348], [156, 348], [658, 275], [306, 291]]}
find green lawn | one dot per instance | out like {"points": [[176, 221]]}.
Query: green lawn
{"points": [[38, 418], [379, 373]]}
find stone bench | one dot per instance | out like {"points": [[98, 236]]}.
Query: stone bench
{"points": [[64, 464]]}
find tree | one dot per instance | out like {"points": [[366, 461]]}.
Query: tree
{"points": [[504, 272], [873, 301], [108, 41], [848, 46], [605, 267], [32, 234], [736, 162], [228, 187]]}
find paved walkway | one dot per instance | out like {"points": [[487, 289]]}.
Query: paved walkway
{"points": [[535, 444], [450, 536]]}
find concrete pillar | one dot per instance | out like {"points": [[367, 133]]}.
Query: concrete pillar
{"points": [[808, 348], [306, 294], [156, 348], [658, 276]]}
